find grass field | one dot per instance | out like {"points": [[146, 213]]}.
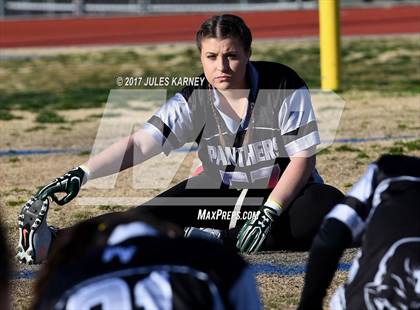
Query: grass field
{"points": [[57, 81], [55, 99]]}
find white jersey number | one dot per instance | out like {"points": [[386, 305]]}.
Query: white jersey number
{"points": [[152, 292]]}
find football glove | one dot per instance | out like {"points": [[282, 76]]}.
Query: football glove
{"points": [[70, 184], [255, 230]]}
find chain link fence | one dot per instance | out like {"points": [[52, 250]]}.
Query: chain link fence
{"points": [[33, 8]]}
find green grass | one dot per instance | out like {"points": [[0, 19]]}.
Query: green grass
{"points": [[388, 65], [411, 145], [7, 116], [70, 98], [111, 114], [35, 128], [15, 203], [348, 185], [94, 116], [396, 150], [49, 117], [401, 147], [64, 128], [346, 148], [325, 151], [14, 159], [112, 208], [165, 57], [17, 190], [362, 155], [82, 215], [385, 65], [351, 149]]}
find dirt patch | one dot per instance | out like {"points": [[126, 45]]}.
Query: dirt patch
{"points": [[21, 294], [380, 117], [283, 292]]}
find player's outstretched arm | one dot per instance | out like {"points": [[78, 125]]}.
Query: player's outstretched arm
{"points": [[254, 231], [294, 177], [121, 155], [326, 251]]}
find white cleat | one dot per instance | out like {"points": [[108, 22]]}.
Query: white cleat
{"points": [[34, 234]]}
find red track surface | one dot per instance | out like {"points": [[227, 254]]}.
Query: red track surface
{"points": [[174, 28]]}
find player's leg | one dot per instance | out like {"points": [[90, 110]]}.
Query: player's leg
{"points": [[296, 228], [35, 236], [300, 222], [180, 204], [197, 202]]}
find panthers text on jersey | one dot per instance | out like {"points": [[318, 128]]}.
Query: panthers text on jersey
{"points": [[279, 120]]}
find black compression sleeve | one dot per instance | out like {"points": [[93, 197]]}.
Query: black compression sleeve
{"points": [[327, 248]]}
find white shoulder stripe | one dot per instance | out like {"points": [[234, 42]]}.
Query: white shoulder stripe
{"points": [[124, 232], [176, 115], [296, 110], [303, 143], [349, 217], [362, 190]]}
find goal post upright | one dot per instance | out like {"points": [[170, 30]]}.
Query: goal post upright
{"points": [[329, 30]]}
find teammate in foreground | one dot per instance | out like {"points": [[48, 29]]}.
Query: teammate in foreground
{"points": [[4, 272], [382, 212], [133, 261], [256, 133]]}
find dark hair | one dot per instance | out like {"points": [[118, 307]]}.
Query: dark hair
{"points": [[225, 26], [220, 27], [72, 243]]}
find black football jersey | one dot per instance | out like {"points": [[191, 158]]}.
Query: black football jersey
{"points": [[140, 269], [279, 121], [382, 211]]}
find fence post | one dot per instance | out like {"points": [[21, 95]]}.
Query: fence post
{"points": [[145, 7], [79, 7], [2, 8]]}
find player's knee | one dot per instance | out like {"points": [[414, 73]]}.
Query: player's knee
{"points": [[325, 196]]}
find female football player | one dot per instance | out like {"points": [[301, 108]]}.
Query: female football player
{"points": [[132, 260], [382, 212], [256, 132]]}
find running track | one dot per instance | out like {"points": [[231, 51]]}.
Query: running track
{"points": [[176, 28]]}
